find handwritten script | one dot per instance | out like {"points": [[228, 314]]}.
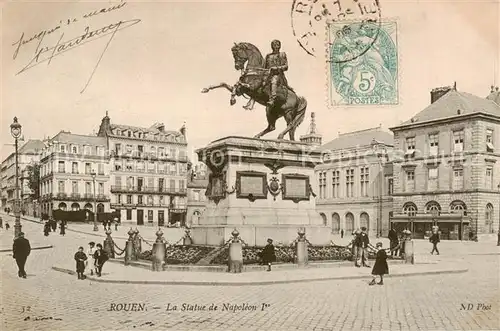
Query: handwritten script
{"points": [[45, 53]]}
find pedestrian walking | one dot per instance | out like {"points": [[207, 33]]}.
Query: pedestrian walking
{"points": [[354, 249], [80, 259], [394, 242], [116, 225], [363, 242], [21, 249], [268, 255], [100, 257], [342, 233], [380, 268], [434, 239], [7, 226], [91, 260], [54, 225], [63, 228], [46, 229]]}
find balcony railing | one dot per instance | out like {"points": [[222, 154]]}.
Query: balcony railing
{"points": [[62, 195], [166, 190]]}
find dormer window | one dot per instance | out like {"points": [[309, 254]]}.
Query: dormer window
{"points": [[74, 149], [62, 148], [129, 133]]}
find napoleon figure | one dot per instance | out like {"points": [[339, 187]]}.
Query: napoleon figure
{"points": [[277, 64]]}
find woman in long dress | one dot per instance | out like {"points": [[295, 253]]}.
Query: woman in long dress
{"points": [[380, 268]]}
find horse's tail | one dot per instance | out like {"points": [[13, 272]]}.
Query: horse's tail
{"points": [[301, 112]]}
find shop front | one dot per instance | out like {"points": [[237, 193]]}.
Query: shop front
{"points": [[451, 226]]}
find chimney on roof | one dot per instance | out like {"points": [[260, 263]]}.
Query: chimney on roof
{"points": [[438, 92], [105, 127]]}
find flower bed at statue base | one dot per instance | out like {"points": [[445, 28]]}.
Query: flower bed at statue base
{"points": [[181, 254], [286, 254]]}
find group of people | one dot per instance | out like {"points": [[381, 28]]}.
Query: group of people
{"points": [[95, 257], [360, 244], [51, 225]]}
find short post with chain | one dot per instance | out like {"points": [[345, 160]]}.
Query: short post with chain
{"points": [[158, 253], [235, 260]]}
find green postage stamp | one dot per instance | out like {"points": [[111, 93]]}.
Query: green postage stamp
{"points": [[363, 63]]}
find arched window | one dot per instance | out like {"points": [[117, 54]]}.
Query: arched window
{"points": [[335, 223], [489, 217], [364, 221], [410, 209], [458, 207], [100, 208], [62, 206], [349, 222], [432, 207], [75, 206], [88, 206], [323, 216]]}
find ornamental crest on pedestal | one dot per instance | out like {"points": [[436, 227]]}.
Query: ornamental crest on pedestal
{"points": [[274, 187]]}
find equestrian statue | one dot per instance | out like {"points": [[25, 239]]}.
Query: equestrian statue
{"points": [[264, 82]]}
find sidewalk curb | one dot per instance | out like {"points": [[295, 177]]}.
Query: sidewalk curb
{"points": [[256, 283], [32, 248]]}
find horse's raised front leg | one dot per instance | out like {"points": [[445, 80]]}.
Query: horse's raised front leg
{"points": [[213, 87]]}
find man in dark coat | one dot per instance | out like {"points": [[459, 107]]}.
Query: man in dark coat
{"points": [[21, 249], [434, 239], [100, 257], [363, 242], [394, 241], [268, 255]]}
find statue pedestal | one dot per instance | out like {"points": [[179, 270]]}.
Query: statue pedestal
{"points": [[263, 188]]}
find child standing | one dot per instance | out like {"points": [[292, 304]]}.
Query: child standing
{"points": [[268, 255], [80, 259], [380, 268]]}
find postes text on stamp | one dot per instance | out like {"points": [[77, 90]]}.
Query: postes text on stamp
{"points": [[363, 63]]}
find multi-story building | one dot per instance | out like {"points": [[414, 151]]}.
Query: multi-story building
{"points": [[28, 155], [148, 172], [448, 170], [74, 173], [197, 183], [355, 182]]}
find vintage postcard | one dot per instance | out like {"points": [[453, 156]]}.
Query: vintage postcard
{"points": [[250, 165]]}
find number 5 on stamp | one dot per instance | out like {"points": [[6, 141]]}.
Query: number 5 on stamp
{"points": [[362, 63]]}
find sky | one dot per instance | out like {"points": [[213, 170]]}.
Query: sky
{"points": [[153, 71]]}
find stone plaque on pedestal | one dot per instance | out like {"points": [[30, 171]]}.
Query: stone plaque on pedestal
{"points": [[264, 188]]}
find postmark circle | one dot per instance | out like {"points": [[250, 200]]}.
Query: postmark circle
{"points": [[309, 19]]}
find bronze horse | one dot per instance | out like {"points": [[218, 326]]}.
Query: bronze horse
{"points": [[254, 83]]}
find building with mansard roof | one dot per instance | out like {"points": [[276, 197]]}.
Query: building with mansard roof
{"points": [[67, 163], [447, 172], [355, 181], [148, 172]]}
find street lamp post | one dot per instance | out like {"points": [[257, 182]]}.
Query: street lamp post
{"points": [[93, 174], [15, 130], [379, 154]]}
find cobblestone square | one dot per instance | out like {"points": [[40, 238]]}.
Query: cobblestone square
{"points": [[51, 300]]}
